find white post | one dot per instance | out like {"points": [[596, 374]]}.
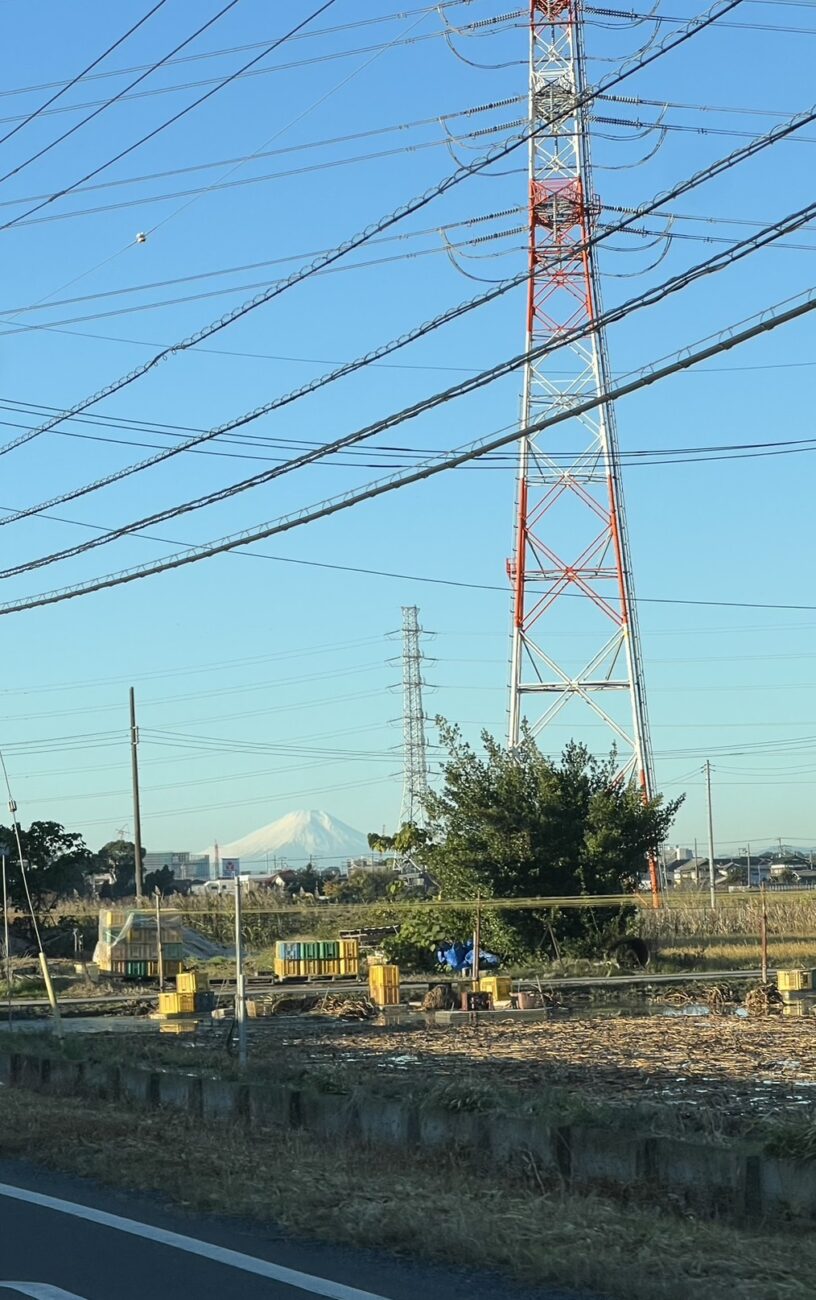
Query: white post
{"points": [[711, 869], [6, 940], [240, 998]]}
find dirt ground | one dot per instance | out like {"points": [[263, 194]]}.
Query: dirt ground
{"points": [[737, 1069]]}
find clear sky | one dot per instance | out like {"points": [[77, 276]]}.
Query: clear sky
{"points": [[263, 677]]}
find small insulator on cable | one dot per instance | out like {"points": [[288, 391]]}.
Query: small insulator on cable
{"points": [[141, 238]]}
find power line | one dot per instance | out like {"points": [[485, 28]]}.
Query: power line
{"points": [[715, 263], [671, 42], [770, 320], [81, 76], [214, 187], [712, 170], [248, 70], [324, 143], [188, 108], [104, 106], [402, 237], [239, 50]]}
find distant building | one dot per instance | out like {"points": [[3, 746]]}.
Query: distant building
{"points": [[184, 866]]}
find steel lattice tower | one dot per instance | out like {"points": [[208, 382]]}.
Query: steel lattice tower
{"points": [[571, 537], [414, 745]]}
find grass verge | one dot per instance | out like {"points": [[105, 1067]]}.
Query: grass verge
{"points": [[356, 1196]]}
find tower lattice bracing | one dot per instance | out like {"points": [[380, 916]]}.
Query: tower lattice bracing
{"points": [[576, 659], [415, 749]]}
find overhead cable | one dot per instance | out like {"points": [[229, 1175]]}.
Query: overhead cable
{"points": [[713, 264], [248, 70], [170, 121], [346, 138], [770, 320], [683, 187], [81, 76], [627, 70], [108, 103]]}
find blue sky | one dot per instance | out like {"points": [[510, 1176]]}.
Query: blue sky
{"points": [[266, 648]]}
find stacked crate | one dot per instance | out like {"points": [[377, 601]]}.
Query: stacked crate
{"points": [[308, 958], [192, 996], [384, 985], [128, 944]]}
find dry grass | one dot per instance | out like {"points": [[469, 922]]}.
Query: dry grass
{"points": [[356, 1197]]}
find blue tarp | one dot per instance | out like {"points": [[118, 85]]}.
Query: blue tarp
{"points": [[458, 957]]}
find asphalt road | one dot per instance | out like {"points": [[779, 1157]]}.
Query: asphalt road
{"points": [[65, 1239]]}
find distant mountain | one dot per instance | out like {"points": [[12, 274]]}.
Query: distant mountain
{"points": [[298, 837]]}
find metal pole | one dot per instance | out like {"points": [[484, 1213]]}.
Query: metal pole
{"points": [[6, 941], [748, 871], [696, 865], [137, 816], [763, 934], [159, 941], [240, 998], [477, 942], [711, 869]]}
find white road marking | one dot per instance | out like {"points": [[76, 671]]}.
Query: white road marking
{"points": [[205, 1249], [39, 1291]]}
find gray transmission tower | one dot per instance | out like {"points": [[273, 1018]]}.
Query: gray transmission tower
{"points": [[414, 744]]}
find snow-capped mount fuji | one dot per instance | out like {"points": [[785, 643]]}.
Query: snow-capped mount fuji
{"points": [[300, 836]]}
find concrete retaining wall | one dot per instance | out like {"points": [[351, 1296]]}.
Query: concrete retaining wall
{"points": [[736, 1181]]}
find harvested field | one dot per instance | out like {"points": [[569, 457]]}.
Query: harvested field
{"points": [[741, 1069], [722, 1075]]}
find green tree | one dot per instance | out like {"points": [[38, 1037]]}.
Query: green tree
{"points": [[407, 840], [119, 858], [363, 887], [57, 863], [163, 879], [518, 825]]}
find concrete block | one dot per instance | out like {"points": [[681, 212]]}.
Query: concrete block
{"points": [[787, 1188], [177, 1091], [531, 1014], [385, 1122], [603, 1156], [269, 1105], [325, 1113], [222, 1099], [708, 1176], [100, 1080], [30, 1071], [515, 1139], [137, 1085], [64, 1077]]}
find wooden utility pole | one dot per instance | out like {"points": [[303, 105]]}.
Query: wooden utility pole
{"points": [[137, 815]]}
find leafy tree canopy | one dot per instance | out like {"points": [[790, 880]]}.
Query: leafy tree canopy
{"points": [[516, 825], [363, 887], [57, 862]]}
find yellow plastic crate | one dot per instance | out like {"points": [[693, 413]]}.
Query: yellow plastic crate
{"points": [[384, 985], [176, 1004], [793, 980], [192, 981], [498, 986]]}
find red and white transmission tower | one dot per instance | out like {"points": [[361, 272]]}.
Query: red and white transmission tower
{"points": [[571, 538]]}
